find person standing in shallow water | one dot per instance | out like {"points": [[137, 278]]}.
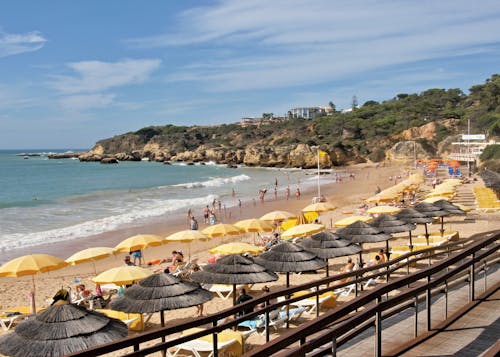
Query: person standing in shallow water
{"points": [[297, 193]]}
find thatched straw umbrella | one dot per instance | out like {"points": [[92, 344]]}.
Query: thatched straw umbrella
{"points": [[391, 224], [450, 208], [430, 211], [234, 269], [412, 216], [60, 330], [287, 257], [160, 292], [327, 245], [361, 232]]}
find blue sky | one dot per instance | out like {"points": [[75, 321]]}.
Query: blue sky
{"points": [[74, 72]]}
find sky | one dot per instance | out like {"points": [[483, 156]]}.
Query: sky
{"points": [[75, 72]]}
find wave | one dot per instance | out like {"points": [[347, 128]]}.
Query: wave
{"points": [[148, 209], [215, 182]]}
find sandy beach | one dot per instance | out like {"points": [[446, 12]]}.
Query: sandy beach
{"points": [[346, 195]]}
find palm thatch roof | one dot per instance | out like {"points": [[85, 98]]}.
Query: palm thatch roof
{"points": [[160, 292], [326, 245], [287, 257], [61, 330], [391, 224], [234, 269], [361, 232], [449, 207], [430, 210], [411, 215]]}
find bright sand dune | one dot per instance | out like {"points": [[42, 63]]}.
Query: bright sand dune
{"points": [[346, 195]]}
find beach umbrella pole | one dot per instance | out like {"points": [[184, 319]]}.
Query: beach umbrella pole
{"points": [[32, 296], [442, 226], [288, 297], [234, 294], [426, 233]]}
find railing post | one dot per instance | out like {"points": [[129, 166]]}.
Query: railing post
{"points": [[267, 322], [378, 330], [214, 340], [416, 316], [485, 283], [317, 300], [445, 299], [472, 275], [334, 346], [356, 286], [428, 303]]}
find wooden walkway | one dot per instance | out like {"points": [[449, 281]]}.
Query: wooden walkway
{"points": [[471, 335]]}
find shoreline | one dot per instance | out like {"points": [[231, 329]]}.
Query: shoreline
{"points": [[171, 223]]}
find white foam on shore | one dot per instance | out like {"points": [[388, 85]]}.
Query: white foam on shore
{"points": [[215, 182], [146, 210]]}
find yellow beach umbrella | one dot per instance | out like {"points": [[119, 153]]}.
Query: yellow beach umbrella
{"points": [[436, 198], [278, 216], [30, 265], [123, 275], [254, 225], [236, 248], [221, 229], [90, 255], [389, 197], [139, 242], [351, 219], [187, 236], [304, 217], [383, 210], [302, 230], [319, 207]]}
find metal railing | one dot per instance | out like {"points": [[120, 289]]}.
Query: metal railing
{"points": [[373, 304], [433, 257]]}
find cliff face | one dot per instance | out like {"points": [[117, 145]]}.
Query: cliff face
{"points": [[271, 147]]}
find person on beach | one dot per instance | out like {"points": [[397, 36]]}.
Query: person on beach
{"points": [[297, 193], [193, 224], [206, 213], [265, 290], [137, 255], [287, 193], [128, 261], [211, 218], [243, 297], [382, 255], [233, 193]]}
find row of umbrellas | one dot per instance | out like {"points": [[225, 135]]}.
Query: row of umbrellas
{"points": [[160, 292]]}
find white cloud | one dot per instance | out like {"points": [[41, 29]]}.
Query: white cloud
{"points": [[78, 103], [97, 76], [295, 42], [13, 44]]}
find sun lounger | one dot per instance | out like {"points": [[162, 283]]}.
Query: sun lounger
{"points": [[135, 322], [310, 303], [277, 319], [9, 317], [228, 341], [198, 347], [223, 291]]}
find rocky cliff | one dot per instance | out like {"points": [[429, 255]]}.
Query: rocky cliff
{"points": [[262, 146]]}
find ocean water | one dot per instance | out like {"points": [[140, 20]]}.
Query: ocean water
{"points": [[50, 200]]}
